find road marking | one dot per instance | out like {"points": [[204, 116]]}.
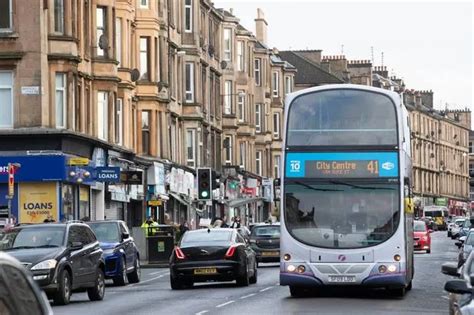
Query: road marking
{"points": [[148, 280], [247, 296], [157, 272], [266, 289], [224, 304], [202, 312]]}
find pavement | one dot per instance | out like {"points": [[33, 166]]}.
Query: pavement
{"points": [[153, 294]]}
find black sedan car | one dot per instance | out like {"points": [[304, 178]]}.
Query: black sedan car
{"points": [[219, 254], [265, 241], [122, 259], [62, 257]]}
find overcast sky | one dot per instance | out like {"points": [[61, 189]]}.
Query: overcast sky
{"points": [[429, 44]]}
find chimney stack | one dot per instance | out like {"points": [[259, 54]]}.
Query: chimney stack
{"points": [[261, 27]]}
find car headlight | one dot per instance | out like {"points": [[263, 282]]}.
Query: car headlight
{"points": [[47, 264], [109, 251]]}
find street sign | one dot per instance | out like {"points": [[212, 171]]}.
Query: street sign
{"points": [[108, 174], [131, 177], [78, 161], [154, 203]]}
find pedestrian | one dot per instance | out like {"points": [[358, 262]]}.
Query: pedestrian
{"points": [[49, 219], [236, 223], [149, 226], [183, 228]]}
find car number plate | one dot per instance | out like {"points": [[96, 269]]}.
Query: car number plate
{"points": [[205, 271], [342, 279], [270, 253]]}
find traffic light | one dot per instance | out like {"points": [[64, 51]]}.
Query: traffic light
{"points": [[204, 181]]}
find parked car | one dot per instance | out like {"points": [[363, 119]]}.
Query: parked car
{"points": [[122, 259], [465, 245], [219, 254], [466, 226], [456, 227], [460, 290], [421, 236], [265, 241], [20, 294], [63, 258]]}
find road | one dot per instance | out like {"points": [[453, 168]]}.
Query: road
{"points": [[154, 296]]}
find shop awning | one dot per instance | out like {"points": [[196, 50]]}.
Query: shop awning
{"points": [[184, 202], [243, 201]]}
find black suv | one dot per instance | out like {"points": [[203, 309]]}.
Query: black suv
{"points": [[265, 241], [62, 257]]}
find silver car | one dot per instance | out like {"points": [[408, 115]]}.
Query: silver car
{"points": [[455, 228]]}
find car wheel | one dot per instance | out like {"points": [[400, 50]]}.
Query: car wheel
{"points": [[97, 292], [63, 296], [121, 279], [134, 276], [243, 281], [296, 291], [409, 286], [176, 284], [253, 279]]}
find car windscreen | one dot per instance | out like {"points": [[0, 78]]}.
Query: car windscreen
{"points": [[419, 226], [341, 215], [459, 222], [106, 232], [31, 237], [214, 236], [266, 231]]}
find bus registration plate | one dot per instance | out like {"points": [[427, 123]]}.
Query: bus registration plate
{"points": [[342, 279]]}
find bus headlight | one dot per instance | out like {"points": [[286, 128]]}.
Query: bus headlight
{"points": [[392, 268], [397, 257], [301, 269], [382, 269], [287, 257], [291, 268]]}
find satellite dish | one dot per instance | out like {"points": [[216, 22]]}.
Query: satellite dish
{"points": [[223, 64], [135, 74], [103, 42]]}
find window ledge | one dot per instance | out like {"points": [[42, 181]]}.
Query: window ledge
{"points": [[8, 35], [229, 116], [62, 37]]}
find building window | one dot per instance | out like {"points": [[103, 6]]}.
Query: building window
{"points": [[118, 39], [5, 15], [242, 154], [119, 121], [258, 160], [277, 166], [228, 98], [61, 100], [288, 85], [191, 147], [101, 28], [189, 82], [6, 99], [227, 44], [228, 150], [258, 72], [144, 49], [188, 16], [59, 16], [471, 147], [240, 55], [146, 132], [258, 118], [241, 105], [275, 83], [143, 3], [102, 115], [276, 125]]}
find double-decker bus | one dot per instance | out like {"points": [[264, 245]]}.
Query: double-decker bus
{"points": [[347, 216]]}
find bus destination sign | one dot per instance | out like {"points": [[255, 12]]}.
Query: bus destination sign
{"points": [[341, 164], [348, 168]]}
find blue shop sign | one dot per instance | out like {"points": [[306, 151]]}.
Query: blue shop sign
{"points": [[108, 174], [35, 168]]}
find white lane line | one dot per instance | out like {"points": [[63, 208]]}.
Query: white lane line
{"points": [[266, 289], [247, 296], [224, 304], [148, 280], [157, 272], [202, 312]]}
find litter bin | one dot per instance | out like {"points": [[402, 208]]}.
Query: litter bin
{"points": [[160, 244]]}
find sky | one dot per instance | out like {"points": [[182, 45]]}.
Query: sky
{"points": [[427, 43]]}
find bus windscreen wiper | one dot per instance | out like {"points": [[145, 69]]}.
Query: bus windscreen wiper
{"points": [[338, 182]]}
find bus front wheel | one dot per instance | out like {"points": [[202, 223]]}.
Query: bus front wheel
{"points": [[298, 291], [397, 292]]}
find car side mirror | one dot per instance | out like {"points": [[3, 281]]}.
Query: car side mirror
{"points": [[125, 236], [457, 287], [430, 231], [76, 245], [458, 244], [450, 269], [462, 239]]}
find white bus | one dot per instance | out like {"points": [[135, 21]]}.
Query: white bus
{"points": [[347, 217]]}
